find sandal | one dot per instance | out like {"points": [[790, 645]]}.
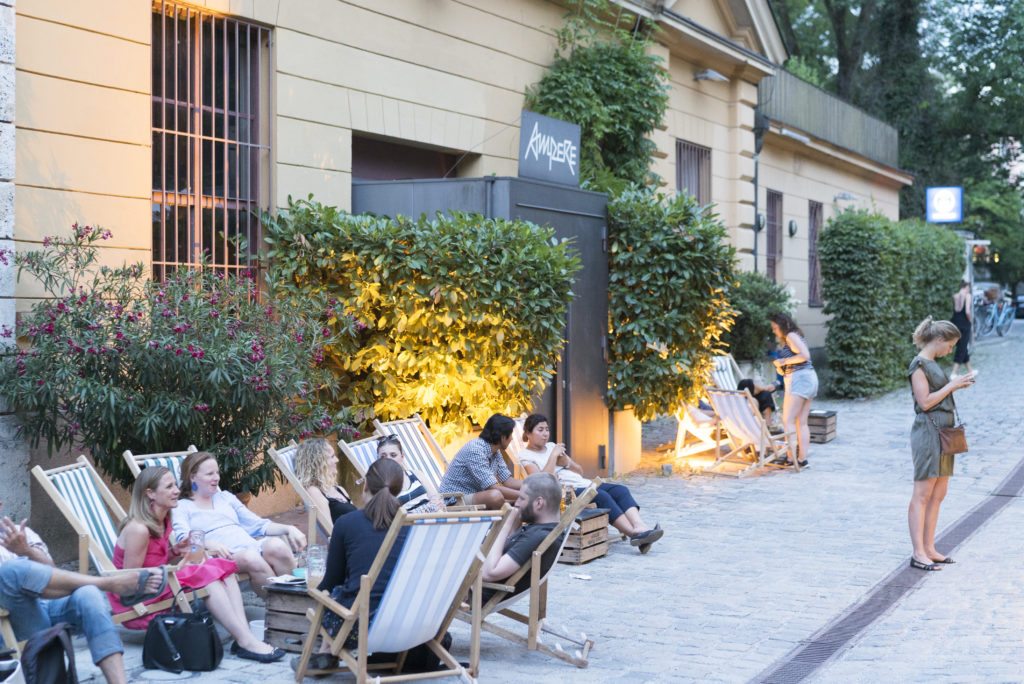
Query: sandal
{"points": [[141, 595], [945, 561], [918, 565]]}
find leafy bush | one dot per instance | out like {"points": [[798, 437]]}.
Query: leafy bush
{"points": [[670, 267], [115, 361], [458, 316], [605, 80], [880, 279], [754, 297]]}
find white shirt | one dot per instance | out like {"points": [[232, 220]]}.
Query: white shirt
{"points": [[565, 475], [229, 523]]}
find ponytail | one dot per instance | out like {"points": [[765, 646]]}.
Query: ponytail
{"points": [[384, 481], [929, 330]]}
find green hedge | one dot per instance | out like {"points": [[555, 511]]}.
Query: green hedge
{"points": [[458, 316], [880, 279], [670, 265], [755, 298]]}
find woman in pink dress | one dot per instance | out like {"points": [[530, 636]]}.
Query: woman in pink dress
{"points": [[144, 543]]}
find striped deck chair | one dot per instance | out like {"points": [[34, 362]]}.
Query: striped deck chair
{"points": [[512, 453], [750, 441], [168, 459], [92, 511], [318, 521], [422, 452], [504, 597], [361, 453], [695, 433], [436, 567], [726, 372]]}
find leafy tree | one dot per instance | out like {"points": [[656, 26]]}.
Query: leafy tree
{"points": [[755, 298]]}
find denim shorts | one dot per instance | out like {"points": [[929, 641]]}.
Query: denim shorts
{"points": [[802, 383]]}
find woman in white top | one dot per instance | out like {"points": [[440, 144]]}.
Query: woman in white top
{"points": [[231, 528], [541, 456]]}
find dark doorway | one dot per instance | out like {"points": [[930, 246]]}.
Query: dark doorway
{"points": [[374, 159]]}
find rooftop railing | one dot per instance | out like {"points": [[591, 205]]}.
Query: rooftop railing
{"points": [[789, 100]]}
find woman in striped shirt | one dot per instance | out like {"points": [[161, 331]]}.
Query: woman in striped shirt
{"points": [[414, 497], [794, 363]]}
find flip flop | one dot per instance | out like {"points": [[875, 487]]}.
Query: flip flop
{"points": [[141, 595], [918, 565]]}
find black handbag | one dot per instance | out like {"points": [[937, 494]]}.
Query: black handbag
{"points": [[178, 641]]}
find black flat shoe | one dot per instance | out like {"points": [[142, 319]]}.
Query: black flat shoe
{"points": [[918, 565], [234, 648], [271, 657], [945, 561]]}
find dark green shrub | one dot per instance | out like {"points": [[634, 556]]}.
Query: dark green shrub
{"points": [[754, 297], [880, 279], [670, 265], [115, 361], [458, 316]]}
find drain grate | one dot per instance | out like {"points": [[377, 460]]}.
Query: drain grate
{"points": [[803, 660]]}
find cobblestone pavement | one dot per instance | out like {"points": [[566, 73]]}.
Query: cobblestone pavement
{"points": [[749, 569]]}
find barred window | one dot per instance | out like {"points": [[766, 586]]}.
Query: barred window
{"points": [[693, 170], [773, 231], [211, 137], [814, 213]]}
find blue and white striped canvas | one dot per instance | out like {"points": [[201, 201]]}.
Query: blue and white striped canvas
{"points": [[418, 454], [173, 463], [739, 417], [722, 375], [362, 454], [431, 567], [80, 493]]}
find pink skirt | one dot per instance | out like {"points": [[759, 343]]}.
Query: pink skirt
{"points": [[190, 577]]}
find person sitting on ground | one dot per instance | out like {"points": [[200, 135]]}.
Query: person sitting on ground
{"points": [[414, 496], [355, 542], [231, 528], [539, 455], [144, 542], [478, 468], [38, 596], [536, 513], [316, 467]]}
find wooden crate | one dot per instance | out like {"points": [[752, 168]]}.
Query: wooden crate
{"points": [[822, 425], [285, 624], [590, 538]]}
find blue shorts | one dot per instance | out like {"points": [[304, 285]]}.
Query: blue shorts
{"points": [[802, 383]]}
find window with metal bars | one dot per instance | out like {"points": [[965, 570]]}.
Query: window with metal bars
{"points": [[773, 232], [211, 138], [693, 170], [814, 214]]}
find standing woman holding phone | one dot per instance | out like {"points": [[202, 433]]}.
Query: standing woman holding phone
{"points": [[801, 382], [934, 409]]}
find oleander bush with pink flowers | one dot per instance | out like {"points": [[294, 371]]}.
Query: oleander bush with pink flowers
{"points": [[113, 360]]}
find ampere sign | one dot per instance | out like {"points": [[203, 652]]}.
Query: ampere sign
{"points": [[549, 149]]}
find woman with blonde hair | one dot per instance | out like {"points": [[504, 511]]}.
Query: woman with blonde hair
{"points": [[232, 530], [144, 542], [316, 467], [934, 408]]}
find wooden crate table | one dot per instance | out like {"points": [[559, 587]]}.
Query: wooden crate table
{"points": [[285, 624], [590, 540], [822, 424]]}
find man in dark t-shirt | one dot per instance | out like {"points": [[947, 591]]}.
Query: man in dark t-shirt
{"points": [[538, 507]]}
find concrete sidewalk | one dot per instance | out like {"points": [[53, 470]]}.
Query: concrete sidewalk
{"points": [[750, 569]]}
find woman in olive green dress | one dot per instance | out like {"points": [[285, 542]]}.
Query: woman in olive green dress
{"points": [[933, 406]]}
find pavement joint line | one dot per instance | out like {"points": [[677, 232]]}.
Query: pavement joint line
{"points": [[806, 658]]}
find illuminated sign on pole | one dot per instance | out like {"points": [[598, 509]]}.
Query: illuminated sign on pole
{"points": [[945, 205]]}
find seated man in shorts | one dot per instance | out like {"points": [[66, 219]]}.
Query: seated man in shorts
{"points": [[478, 469], [536, 513]]}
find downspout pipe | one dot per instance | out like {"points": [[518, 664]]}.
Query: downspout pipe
{"points": [[760, 128]]}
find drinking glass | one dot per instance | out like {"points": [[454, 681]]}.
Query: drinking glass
{"points": [[196, 547], [316, 565]]}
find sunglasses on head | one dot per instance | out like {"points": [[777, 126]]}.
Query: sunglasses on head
{"points": [[387, 439]]}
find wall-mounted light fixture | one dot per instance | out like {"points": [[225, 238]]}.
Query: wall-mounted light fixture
{"points": [[759, 222], [844, 196], [709, 75], [800, 137], [792, 227]]}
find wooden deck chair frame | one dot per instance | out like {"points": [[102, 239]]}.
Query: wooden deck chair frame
{"points": [[137, 463], [505, 597], [315, 518], [755, 453], [89, 546], [7, 632], [693, 437], [358, 616]]}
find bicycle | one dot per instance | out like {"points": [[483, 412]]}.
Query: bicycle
{"points": [[992, 316]]}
